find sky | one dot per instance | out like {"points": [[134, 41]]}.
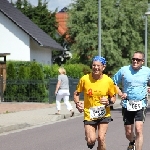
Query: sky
{"points": [[53, 4]]}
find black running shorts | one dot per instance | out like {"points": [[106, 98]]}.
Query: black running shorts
{"points": [[130, 116], [98, 121]]}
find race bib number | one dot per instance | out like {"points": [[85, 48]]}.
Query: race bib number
{"points": [[134, 105], [97, 112]]}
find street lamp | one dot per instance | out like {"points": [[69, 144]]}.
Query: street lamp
{"points": [[146, 14], [99, 28]]}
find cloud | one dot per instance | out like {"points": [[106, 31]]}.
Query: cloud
{"points": [[52, 4]]}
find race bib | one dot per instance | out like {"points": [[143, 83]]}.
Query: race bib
{"points": [[134, 105], [97, 112]]}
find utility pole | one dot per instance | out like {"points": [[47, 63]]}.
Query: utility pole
{"points": [[99, 28]]}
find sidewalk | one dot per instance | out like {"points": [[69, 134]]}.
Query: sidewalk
{"points": [[14, 116]]}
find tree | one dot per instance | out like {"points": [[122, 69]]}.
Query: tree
{"points": [[122, 30]]}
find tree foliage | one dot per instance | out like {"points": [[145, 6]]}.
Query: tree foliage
{"points": [[122, 29]]}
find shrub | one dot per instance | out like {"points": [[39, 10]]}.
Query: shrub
{"points": [[22, 84], [11, 88], [29, 81], [36, 90], [50, 71]]}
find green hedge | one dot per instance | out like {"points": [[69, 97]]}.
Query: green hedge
{"points": [[25, 82], [73, 70], [28, 81]]}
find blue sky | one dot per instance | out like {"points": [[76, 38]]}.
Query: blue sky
{"points": [[53, 4]]}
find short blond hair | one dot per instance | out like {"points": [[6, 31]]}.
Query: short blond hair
{"points": [[61, 70]]}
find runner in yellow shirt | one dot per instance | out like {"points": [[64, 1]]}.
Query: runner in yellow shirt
{"points": [[96, 87]]}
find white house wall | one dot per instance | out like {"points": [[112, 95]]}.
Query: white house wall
{"points": [[40, 54], [13, 40]]}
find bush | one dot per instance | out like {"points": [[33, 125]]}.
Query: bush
{"points": [[74, 70], [36, 90], [50, 71], [29, 81], [22, 84], [11, 88]]}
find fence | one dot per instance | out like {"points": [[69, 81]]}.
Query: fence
{"points": [[72, 87], [33, 90]]}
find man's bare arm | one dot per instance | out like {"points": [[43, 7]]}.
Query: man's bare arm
{"points": [[76, 97], [118, 90], [112, 99], [120, 93], [79, 104]]}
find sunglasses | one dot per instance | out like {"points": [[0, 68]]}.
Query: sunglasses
{"points": [[137, 59]]}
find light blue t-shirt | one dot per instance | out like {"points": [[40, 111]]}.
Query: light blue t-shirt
{"points": [[134, 83]]}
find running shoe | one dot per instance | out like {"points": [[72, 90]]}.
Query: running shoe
{"points": [[131, 147], [90, 146]]}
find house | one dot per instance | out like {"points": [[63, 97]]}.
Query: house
{"points": [[23, 39], [61, 19]]}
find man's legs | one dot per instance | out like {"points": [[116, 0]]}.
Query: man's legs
{"points": [[128, 118], [102, 129], [139, 135], [139, 121], [129, 132], [90, 134]]}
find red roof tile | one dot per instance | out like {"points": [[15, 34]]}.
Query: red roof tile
{"points": [[61, 18]]}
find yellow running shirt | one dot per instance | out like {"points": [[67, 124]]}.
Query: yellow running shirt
{"points": [[94, 90]]}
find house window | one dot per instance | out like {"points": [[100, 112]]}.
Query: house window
{"points": [[1, 59]]}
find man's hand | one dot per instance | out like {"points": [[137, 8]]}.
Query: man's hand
{"points": [[148, 89], [104, 101], [80, 106], [123, 95]]}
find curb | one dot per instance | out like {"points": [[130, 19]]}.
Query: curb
{"points": [[5, 129], [13, 127]]}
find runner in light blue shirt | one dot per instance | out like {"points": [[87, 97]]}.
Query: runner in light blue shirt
{"points": [[134, 83], [134, 80]]}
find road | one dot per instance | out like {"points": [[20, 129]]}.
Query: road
{"points": [[69, 134]]}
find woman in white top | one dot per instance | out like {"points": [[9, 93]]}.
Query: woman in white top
{"points": [[62, 91]]}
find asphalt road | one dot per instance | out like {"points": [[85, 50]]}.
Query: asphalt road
{"points": [[69, 134]]}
